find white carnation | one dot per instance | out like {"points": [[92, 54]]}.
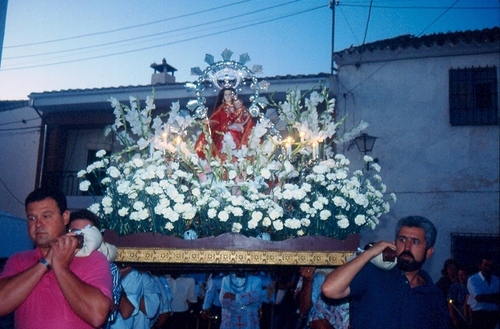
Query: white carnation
{"points": [[278, 225], [211, 213], [266, 222], [123, 211], [232, 174], [360, 220], [94, 208], [223, 216], [236, 228], [84, 186], [343, 223], [107, 201], [100, 153], [265, 173], [325, 214]]}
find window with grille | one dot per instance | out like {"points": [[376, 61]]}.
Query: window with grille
{"points": [[473, 96], [467, 249]]}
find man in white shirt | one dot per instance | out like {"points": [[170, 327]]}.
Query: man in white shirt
{"points": [[484, 298], [183, 296]]}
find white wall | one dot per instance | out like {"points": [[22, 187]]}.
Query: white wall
{"points": [[447, 174], [19, 142]]}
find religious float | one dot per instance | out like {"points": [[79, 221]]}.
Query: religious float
{"points": [[254, 181]]}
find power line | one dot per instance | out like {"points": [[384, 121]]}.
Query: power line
{"points": [[398, 52], [348, 24], [164, 44], [10, 192], [366, 28], [124, 28], [418, 7], [19, 129], [437, 18], [225, 19], [368, 21], [17, 121]]}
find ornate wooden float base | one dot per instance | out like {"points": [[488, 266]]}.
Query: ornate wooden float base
{"points": [[232, 249]]}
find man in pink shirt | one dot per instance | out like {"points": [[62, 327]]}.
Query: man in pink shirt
{"points": [[48, 287]]}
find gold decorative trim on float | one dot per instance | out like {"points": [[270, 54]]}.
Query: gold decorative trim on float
{"points": [[228, 257]]}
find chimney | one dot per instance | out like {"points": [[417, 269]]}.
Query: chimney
{"points": [[161, 73]]}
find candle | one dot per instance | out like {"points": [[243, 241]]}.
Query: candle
{"points": [[289, 141], [315, 150], [178, 142], [320, 149], [151, 147], [164, 142], [301, 134]]}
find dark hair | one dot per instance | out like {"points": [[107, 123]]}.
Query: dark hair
{"points": [[3, 261], [85, 214], [483, 257], [447, 263], [44, 193], [220, 96], [420, 222]]}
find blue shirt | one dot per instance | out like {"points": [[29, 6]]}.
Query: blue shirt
{"points": [[336, 312], [213, 291], [117, 293], [243, 310], [384, 299]]}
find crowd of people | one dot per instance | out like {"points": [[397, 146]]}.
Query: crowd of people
{"points": [[70, 280]]}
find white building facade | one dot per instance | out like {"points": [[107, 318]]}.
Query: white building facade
{"points": [[19, 147], [433, 104]]}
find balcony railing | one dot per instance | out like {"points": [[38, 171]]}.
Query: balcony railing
{"points": [[68, 182]]}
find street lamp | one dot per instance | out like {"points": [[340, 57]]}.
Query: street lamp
{"points": [[364, 143]]}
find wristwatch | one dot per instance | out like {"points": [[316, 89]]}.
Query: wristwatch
{"points": [[45, 262]]}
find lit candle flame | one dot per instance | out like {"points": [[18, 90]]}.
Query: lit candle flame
{"points": [[288, 144]]}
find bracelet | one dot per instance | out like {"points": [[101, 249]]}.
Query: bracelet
{"points": [[45, 262]]}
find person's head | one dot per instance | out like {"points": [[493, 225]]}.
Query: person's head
{"points": [[486, 266], [462, 275], [80, 218], [415, 238], [226, 95], [238, 103], [42, 193], [449, 268], [47, 214]]}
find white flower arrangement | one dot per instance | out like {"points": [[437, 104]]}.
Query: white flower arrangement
{"points": [[286, 188]]}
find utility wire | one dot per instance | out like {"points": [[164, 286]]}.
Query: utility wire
{"points": [[165, 44], [400, 50], [225, 19], [21, 128], [123, 28], [437, 18], [368, 21], [17, 121], [366, 29], [348, 24], [420, 7], [10, 192]]}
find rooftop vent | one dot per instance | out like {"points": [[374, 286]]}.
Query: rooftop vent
{"points": [[161, 73]]}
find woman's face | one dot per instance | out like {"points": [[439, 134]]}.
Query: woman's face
{"points": [[228, 96]]}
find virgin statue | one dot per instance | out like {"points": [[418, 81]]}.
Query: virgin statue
{"points": [[230, 116]]}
